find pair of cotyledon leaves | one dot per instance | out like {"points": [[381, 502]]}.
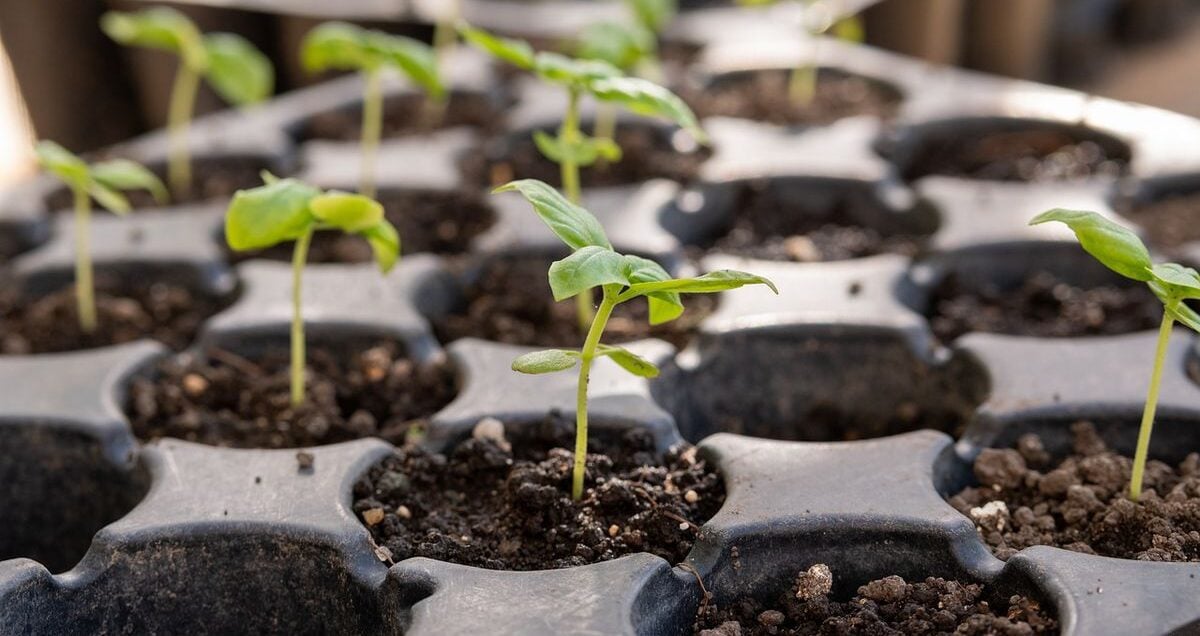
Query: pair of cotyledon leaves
{"points": [[238, 71], [286, 209], [1123, 252], [104, 180], [343, 46], [625, 45], [593, 263]]}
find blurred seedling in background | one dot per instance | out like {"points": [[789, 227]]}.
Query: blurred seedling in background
{"points": [[102, 181], [593, 264], [288, 210], [342, 46], [1123, 252], [237, 71]]}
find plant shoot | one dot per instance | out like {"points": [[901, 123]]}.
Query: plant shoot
{"points": [[288, 210], [593, 264], [1124, 253]]}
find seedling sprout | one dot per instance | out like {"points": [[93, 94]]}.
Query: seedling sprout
{"points": [[1123, 252], [288, 210], [620, 277]]}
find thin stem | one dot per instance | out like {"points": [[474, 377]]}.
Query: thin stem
{"points": [[445, 38], [179, 118], [606, 125], [85, 295], [568, 136], [587, 355], [299, 255], [802, 85], [1143, 442], [372, 128]]}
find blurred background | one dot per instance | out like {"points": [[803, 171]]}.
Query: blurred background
{"points": [[61, 78]]}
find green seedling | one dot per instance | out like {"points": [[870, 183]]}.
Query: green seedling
{"points": [[102, 181], [1124, 253], [236, 70], [342, 46], [593, 264], [572, 149], [288, 210], [802, 85]]}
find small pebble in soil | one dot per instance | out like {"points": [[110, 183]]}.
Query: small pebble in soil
{"points": [[1080, 502]]}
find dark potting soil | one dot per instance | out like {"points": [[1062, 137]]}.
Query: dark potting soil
{"points": [[1169, 222], [428, 222], [763, 96], [169, 313], [1080, 502], [216, 178], [1042, 306], [1033, 154], [220, 398], [889, 605], [502, 501], [827, 423], [511, 303], [648, 153], [406, 115], [765, 227]]}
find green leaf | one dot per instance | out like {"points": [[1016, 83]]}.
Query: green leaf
{"points": [[62, 163], [336, 45], [122, 174], [647, 98], [664, 306], [584, 152], [416, 59], [718, 281], [269, 214], [108, 198], [1181, 281], [654, 14], [345, 211], [161, 28], [617, 44], [385, 244], [569, 222], [849, 29], [588, 267], [1113, 245], [564, 70], [238, 71], [516, 52], [629, 361], [547, 361], [1187, 316]]}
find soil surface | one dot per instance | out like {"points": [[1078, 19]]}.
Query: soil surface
{"points": [[763, 96], [169, 313], [1080, 502], [828, 423], [1042, 306], [511, 302], [889, 605], [504, 503], [765, 227], [220, 398], [406, 115], [1032, 154], [215, 178], [1169, 222], [428, 222], [648, 153]]}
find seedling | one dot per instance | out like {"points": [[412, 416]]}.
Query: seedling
{"points": [[620, 278], [342, 46], [236, 70], [572, 149], [288, 210], [103, 182], [1124, 253], [817, 20]]}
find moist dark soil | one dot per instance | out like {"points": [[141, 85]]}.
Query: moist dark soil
{"points": [[889, 605], [406, 115], [763, 96], [648, 153], [1170, 222], [219, 398], [1042, 306], [1080, 502], [428, 222], [1034, 154], [827, 423], [169, 313], [215, 178], [765, 227], [504, 503], [511, 303]]}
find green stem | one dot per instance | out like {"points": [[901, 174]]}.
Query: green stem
{"points": [[568, 136], [445, 38], [85, 295], [179, 117], [372, 128], [587, 355], [606, 125], [802, 85], [1143, 442], [299, 255]]}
